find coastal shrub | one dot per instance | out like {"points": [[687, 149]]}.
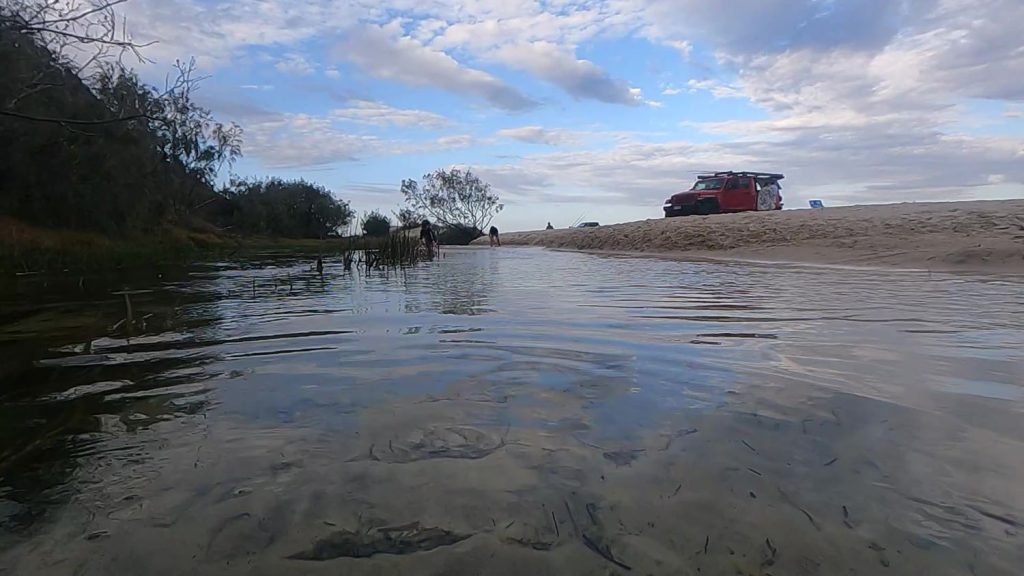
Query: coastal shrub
{"points": [[284, 208], [376, 224]]}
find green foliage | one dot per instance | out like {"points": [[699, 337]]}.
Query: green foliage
{"points": [[105, 177], [376, 224], [408, 218], [453, 199], [184, 132], [284, 208], [118, 160], [392, 250]]}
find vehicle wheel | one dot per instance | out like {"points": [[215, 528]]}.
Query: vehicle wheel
{"points": [[707, 207]]}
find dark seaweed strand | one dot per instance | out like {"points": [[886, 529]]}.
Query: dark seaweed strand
{"points": [[607, 555], [575, 528]]}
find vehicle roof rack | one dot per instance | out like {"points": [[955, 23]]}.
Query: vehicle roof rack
{"points": [[744, 173]]}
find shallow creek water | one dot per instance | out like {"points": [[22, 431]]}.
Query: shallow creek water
{"points": [[514, 411]]}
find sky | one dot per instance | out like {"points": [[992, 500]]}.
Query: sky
{"points": [[601, 109]]}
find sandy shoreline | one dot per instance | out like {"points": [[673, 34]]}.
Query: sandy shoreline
{"points": [[978, 236]]}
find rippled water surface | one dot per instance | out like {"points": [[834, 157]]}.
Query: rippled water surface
{"points": [[515, 411]]}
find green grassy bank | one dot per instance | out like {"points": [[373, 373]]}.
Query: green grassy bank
{"points": [[26, 249]]}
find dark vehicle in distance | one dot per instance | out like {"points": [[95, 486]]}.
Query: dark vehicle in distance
{"points": [[727, 192]]}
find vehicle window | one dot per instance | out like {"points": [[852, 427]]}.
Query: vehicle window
{"points": [[743, 183], [732, 185], [709, 184]]}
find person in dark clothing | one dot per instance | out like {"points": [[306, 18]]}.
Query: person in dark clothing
{"points": [[494, 236], [428, 237], [550, 227]]}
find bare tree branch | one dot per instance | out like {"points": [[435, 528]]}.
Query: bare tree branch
{"points": [[73, 122], [127, 44], [101, 8], [36, 87], [78, 35]]}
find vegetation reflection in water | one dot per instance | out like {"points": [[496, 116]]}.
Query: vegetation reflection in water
{"points": [[478, 413]]}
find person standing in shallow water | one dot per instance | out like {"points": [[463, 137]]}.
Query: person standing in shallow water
{"points": [[494, 236], [428, 237]]}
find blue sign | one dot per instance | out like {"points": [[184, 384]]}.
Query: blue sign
{"points": [[817, 204]]}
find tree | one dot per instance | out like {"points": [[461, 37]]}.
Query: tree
{"points": [[113, 155], [453, 199], [408, 218], [285, 208], [184, 132], [84, 173], [376, 224]]}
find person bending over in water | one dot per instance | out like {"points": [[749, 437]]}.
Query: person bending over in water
{"points": [[428, 237], [494, 236]]}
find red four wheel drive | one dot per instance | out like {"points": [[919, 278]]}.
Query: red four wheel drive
{"points": [[727, 192]]}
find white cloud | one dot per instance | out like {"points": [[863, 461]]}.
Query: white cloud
{"points": [[306, 141], [855, 94], [581, 79], [455, 141], [217, 32], [482, 26], [258, 87], [295, 64], [302, 140], [378, 114], [644, 174], [850, 119], [742, 26], [541, 135], [427, 29], [403, 59], [637, 95], [682, 46], [564, 137], [716, 88]]}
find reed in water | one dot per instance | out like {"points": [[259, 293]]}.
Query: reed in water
{"points": [[390, 251], [399, 250]]}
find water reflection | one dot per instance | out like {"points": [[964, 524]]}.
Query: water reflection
{"points": [[515, 411]]}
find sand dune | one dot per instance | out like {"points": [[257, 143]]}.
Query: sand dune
{"points": [[971, 236]]}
